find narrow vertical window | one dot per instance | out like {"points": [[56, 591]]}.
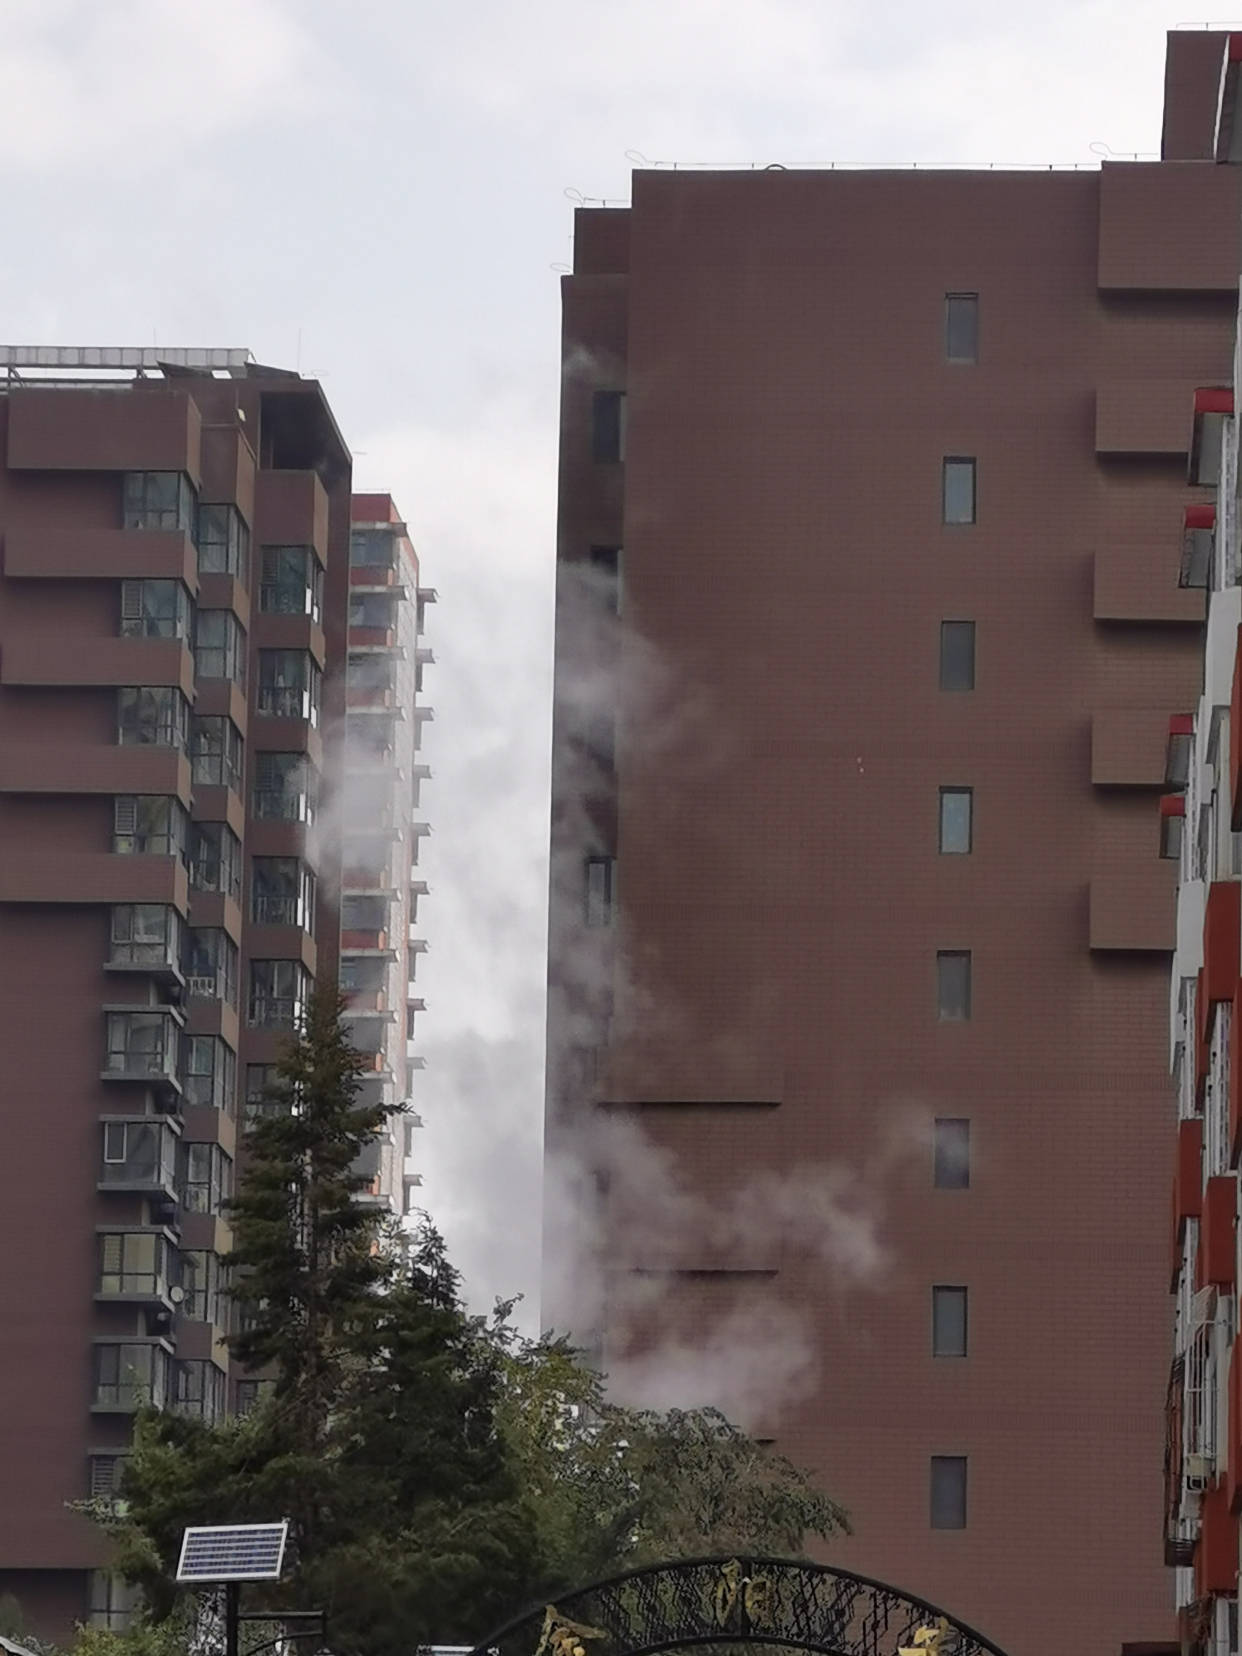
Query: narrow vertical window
{"points": [[961, 327], [951, 1153], [958, 489], [957, 655], [956, 821], [599, 890], [606, 561], [948, 1492], [953, 985], [948, 1322], [608, 425]]}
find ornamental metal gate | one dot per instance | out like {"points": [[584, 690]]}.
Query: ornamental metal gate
{"points": [[717, 1603]]}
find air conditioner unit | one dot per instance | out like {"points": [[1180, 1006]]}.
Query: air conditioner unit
{"points": [[1199, 1471]]}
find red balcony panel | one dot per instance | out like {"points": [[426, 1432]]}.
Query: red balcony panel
{"points": [[1218, 1232], [370, 698], [1216, 1552], [355, 938], [379, 637], [374, 575], [1221, 943]]}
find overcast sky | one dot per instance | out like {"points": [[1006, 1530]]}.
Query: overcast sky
{"points": [[375, 191]]}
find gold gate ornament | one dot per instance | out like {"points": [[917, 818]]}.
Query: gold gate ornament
{"points": [[927, 1641], [755, 1593], [562, 1637]]}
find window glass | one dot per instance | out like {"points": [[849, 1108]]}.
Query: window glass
{"points": [[372, 609], [206, 1178], [961, 327], [152, 715], [210, 1072], [959, 490], [372, 548], [288, 685], [608, 425], [951, 1153], [278, 991], [150, 825], [198, 1389], [154, 609], [956, 814], [285, 788], [599, 890], [957, 655], [141, 1044], [223, 542], [129, 1376], [145, 934], [219, 647], [291, 581], [211, 964], [364, 914], [953, 984], [216, 859], [948, 1322], [216, 751], [948, 1492], [159, 500]]}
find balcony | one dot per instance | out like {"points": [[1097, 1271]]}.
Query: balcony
{"points": [[139, 1154], [130, 1375], [147, 939], [136, 1267], [142, 1045]]}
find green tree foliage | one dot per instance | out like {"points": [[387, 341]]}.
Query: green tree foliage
{"points": [[614, 1488], [378, 1437]]}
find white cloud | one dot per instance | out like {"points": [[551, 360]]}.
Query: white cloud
{"points": [[82, 82]]}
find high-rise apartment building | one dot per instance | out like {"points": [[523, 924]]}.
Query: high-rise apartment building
{"points": [[382, 830], [868, 633], [1201, 819], [173, 613]]}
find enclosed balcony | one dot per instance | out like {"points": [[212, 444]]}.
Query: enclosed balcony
{"points": [[139, 1154], [142, 1045], [128, 1375], [135, 1266], [147, 938]]}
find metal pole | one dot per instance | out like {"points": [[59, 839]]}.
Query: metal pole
{"points": [[232, 1616]]}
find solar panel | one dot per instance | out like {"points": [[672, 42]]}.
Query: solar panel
{"points": [[233, 1552]]}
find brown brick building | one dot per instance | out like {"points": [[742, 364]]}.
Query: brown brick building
{"points": [[868, 633], [173, 614]]}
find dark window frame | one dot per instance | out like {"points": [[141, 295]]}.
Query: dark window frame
{"points": [[948, 1492], [953, 657], [950, 466], [948, 994], [946, 849], [950, 1317], [951, 1153], [961, 308]]}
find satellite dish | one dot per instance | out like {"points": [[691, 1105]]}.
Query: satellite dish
{"points": [[176, 1295]]}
